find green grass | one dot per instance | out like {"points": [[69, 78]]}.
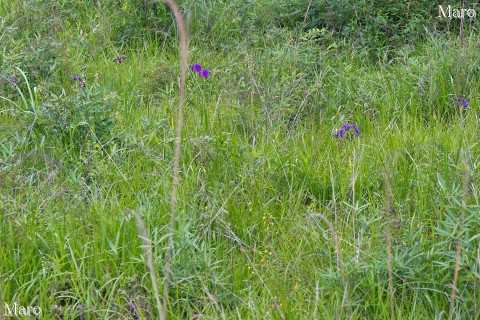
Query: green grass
{"points": [[258, 161]]}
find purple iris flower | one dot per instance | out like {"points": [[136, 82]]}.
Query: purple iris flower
{"points": [[464, 102], [77, 78], [357, 133], [200, 72], [196, 68], [205, 73], [347, 127], [120, 59]]}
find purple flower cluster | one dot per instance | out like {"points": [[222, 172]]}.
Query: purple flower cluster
{"points": [[120, 59], [77, 78], [347, 127], [200, 72], [12, 79], [464, 102]]}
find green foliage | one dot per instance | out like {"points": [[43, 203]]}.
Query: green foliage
{"points": [[85, 115], [378, 26], [258, 159], [133, 20]]}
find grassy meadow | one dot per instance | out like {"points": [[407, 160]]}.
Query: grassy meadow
{"points": [[327, 171]]}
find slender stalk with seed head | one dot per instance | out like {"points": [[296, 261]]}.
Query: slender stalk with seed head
{"points": [[460, 48], [182, 38]]}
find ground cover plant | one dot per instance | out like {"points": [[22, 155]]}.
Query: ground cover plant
{"points": [[328, 168]]}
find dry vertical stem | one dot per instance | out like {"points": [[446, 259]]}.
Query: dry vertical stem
{"points": [[408, 9], [339, 261], [459, 242], [214, 301], [1, 304], [308, 9], [460, 47], [182, 38], [389, 245], [54, 18], [316, 302], [477, 286], [100, 10], [142, 231]]}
